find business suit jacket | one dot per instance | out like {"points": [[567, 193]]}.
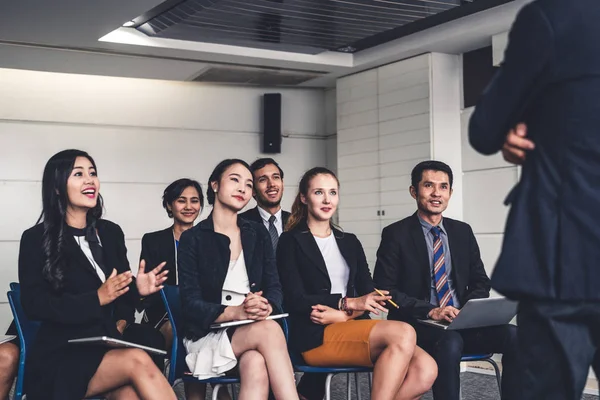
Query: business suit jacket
{"points": [[306, 282], [253, 215], [203, 259], [403, 267], [157, 247], [550, 80], [56, 369]]}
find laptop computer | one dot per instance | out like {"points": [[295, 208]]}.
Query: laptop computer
{"points": [[245, 321], [479, 313], [116, 343]]}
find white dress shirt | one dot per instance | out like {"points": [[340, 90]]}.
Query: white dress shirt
{"points": [[265, 215]]}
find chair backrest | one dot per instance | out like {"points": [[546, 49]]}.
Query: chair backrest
{"points": [[14, 286], [172, 301], [26, 330]]}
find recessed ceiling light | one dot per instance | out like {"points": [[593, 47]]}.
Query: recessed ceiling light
{"points": [[129, 24]]}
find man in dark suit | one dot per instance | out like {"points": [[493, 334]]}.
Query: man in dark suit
{"points": [[545, 96], [268, 191], [431, 266]]}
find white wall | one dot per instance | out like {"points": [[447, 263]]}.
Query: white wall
{"points": [[486, 182], [143, 135]]}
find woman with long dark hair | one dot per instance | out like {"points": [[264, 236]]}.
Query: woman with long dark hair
{"points": [[328, 292], [227, 272], [75, 279]]}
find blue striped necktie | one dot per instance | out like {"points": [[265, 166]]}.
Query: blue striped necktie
{"points": [[439, 270], [273, 232]]}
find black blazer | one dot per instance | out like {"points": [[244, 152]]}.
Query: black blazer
{"points": [[203, 259], [253, 215], [403, 267], [550, 80], [306, 282], [74, 311], [157, 247]]}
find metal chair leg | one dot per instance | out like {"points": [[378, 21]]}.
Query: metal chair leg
{"points": [[348, 390], [233, 395], [498, 375], [327, 387], [357, 386], [216, 391], [370, 379]]}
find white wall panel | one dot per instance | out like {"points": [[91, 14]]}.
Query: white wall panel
{"points": [[404, 110], [405, 124], [404, 138], [472, 160], [484, 193], [357, 133], [357, 146], [404, 81], [412, 93]]}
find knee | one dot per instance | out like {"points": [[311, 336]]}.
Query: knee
{"points": [[140, 361], [401, 336], [253, 367], [9, 357], [270, 331], [426, 370], [449, 348]]}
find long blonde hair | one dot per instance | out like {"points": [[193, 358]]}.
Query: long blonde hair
{"points": [[299, 209]]}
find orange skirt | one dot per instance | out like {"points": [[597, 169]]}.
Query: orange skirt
{"points": [[344, 343]]}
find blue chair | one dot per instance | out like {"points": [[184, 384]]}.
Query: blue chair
{"points": [[26, 329], [178, 368], [300, 366], [485, 358], [14, 286]]}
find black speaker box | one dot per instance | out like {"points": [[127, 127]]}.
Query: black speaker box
{"points": [[272, 123]]}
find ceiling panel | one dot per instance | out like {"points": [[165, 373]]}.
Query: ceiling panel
{"points": [[304, 26]]}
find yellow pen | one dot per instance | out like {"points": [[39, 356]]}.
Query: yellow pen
{"points": [[390, 301]]}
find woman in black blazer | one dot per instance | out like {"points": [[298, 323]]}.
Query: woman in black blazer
{"points": [[328, 292], [183, 201], [75, 279], [227, 272]]}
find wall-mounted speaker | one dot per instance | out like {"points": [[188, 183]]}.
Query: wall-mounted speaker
{"points": [[272, 123]]}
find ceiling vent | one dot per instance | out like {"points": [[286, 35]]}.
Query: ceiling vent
{"points": [[255, 76]]}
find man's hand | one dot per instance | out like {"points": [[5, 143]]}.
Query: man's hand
{"points": [[324, 315], [517, 145], [447, 313]]}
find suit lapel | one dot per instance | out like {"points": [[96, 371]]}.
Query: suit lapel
{"points": [[309, 247], [248, 237], [455, 253], [81, 258], [416, 232]]}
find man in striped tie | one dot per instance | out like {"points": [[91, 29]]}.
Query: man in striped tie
{"points": [[431, 266]]}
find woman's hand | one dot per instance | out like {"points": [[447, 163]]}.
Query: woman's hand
{"points": [[372, 302], [324, 315], [114, 286], [256, 306], [150, 282]]}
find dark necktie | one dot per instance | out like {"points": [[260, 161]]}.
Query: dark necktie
{"points": [[92, 238], [273, 232], [442, 288]]}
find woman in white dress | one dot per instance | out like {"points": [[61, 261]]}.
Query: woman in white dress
{"points": [[227, 272]]}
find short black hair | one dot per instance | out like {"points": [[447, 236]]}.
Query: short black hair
{"points": [[263, 162], [417, 173], [174, 190], [218, 173]]}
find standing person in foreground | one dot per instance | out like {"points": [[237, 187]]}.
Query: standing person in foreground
{"points": [[431, 266], [545, 97], [227, 272], [75, 279], [328, 292]]}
